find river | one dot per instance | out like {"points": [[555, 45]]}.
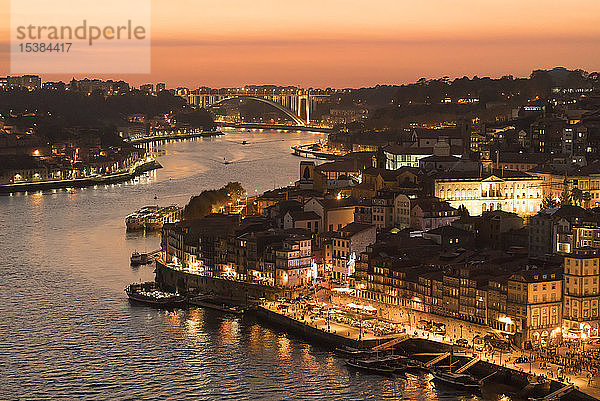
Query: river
{"points": [[67, 330]]}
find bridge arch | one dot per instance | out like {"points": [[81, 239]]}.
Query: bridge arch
{"points": [[278, 106]]}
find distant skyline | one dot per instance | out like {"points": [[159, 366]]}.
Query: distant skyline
{"points": [[333, 43]]}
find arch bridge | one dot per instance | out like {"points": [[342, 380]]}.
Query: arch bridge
{"points": [[297, 105]]}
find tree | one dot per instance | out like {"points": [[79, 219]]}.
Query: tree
{"points": [[577, 195], [203, 204], [549, 202], [565, 197], [586, 197], [463, 211]]}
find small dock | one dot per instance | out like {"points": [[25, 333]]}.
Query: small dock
{"points": [[468, 365], [437, 359], [391, 343], [557, 394]]}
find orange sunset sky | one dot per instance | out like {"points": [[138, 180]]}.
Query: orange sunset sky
{"points": [[333, 43]]}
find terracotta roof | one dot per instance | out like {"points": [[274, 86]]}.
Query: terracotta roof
{"points": [[303, 216], [403, 150], [431, 205], [338, 166], [354, 228], [501, 174], [516, 157]]}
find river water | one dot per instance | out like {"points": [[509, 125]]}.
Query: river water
{"points": [[67, 330]]}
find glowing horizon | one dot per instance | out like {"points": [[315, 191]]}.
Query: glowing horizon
{"points": [[334, 43]]}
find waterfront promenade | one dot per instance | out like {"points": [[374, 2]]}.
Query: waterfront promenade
{"points": [[329, 319], [169, 135], [120, 176], [377, 331]]}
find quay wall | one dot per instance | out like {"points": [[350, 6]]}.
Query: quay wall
{"points": [[170, 136], [81, 182], [305, 151], [312, 334], [235, 291]]}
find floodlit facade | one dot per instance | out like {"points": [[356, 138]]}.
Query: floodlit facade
{"points": [[510, 191], [581, 294]]}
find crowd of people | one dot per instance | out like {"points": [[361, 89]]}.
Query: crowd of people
{"points": [[573, 361]]}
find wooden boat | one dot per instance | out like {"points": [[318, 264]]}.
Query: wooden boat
{"points": [[371, 367], [354, 352], [149, 294], [458, 380], [405, 364]]}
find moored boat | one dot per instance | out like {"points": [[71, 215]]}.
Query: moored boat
{"points": [[459, 380], [373, 366], [149, 294], [139, 258], [152, 218]]}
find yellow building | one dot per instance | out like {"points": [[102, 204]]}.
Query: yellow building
{"points": [[581, 294], [586, 178], [511, 191], [534, 304]]}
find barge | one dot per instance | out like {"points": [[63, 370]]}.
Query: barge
{"points": [[458, 380], [152, 218], [149, 294]]}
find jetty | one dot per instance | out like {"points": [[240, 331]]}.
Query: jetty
{"points": [[467, 365], [437, 359], [391, 343], [557, 394]]}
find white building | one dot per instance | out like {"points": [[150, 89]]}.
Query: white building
{"points": [[511, 191]]}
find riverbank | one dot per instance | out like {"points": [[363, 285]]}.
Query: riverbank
{"points": [[82, 182], [175, 135], [330, 332], [313, 150]]}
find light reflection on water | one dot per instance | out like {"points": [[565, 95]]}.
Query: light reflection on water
{"points": [[69, 332]]}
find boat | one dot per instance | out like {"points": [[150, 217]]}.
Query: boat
{"points": [[404, 364], [136, 259], [353, 352], [210, 304], [371, 366], [459, 380], [152, 218], [140, 259], [149, 294], [244, 142]]}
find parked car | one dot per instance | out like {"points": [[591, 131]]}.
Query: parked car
{"points": [[462, 342]]}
